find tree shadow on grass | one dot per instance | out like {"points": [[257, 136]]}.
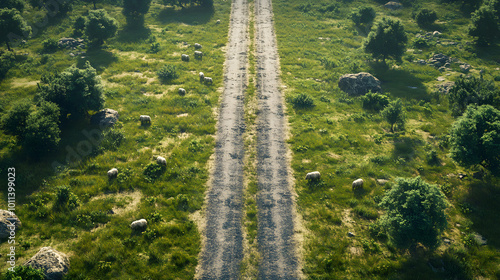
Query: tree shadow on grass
{"points": [[404, 147], [484, 197], [400, 83], [192, 15], [99, 59], [447, 266], [133, 34]]}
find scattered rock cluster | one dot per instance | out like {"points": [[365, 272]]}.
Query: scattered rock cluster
{"points": [[443, 63], [71, 43], [359, 84], [445, 87], [54, 264]]}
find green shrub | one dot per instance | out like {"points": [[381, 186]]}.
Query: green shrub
{"points": [[426, 17], [363, 15], [79, 26], [65, 199], [50, 45], [302, 100], [112, 139], [24, 273], [153, 171], [179, 259], [432, 158], [167, 73], [420, 43], [374, 101]]}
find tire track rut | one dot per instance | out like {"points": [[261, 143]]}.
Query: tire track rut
{"points": [[274, 200], [223, 246]]}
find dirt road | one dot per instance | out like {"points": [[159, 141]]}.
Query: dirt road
{"points": [[274, 202], [223, 246]]}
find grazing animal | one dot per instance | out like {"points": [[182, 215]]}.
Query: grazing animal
{"points": [[202, 77], [182, 91], [197, 46], [185, 57], [356, 184], [314, 176], [208, 80], [161, 160], [218, 21], [139, 225], [145, 119], [198, 55], [112, 173]]}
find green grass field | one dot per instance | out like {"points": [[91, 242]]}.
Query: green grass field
{"points": [[344, 142], [102, 245], [317, 44]]}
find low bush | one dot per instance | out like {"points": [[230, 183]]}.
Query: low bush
{"points": [[374, 101], [425, 17], [302, 100], [167, 73]]}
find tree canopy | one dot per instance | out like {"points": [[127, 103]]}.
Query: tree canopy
{"points": [[76, 91], [12, 24], [12, 4], [42, 133], [387, 39], [363, 15], [475, 138], [415, 213], [100, 26], [394, 113], [134, 11], [484, 25], [472, 90]]}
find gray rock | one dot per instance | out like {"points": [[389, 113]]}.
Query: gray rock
{"points": [[8, 222], [465, 68], [382, 181], [445, 87], [105, 118], [359, 84], [436, 33], [439, 60], [421, 61], [393, 5], [54, 264], [480, 240]]}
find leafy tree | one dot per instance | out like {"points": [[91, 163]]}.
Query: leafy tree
{"points": [[374, 101], [484, 25], [426, 17], [79, 26], [24, 273], [42, 132], [14, 121], [363, 15], [100, 26], [12, 24], [387, 39], [134, 11], [76, 91], [471, 90], [475, 138], [395, 114], [415, 213], [12, 4], [7, 61]]}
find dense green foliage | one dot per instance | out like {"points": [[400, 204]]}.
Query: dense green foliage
{"points": [[134, 11], [375, 101], [167, 73], [14, 120], [302, 100], [363, 15], [99, 26], [76, 91], [22, 272], [42, 133], [65, 199], [484, 25], [426, 17], [183, 3], [395, 114], [475, 138], [415, 213], [13, 4], [387, 39], [12, 26], [472, 90]]}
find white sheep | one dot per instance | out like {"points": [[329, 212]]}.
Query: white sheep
{"points": [[182, 91], [112, 173], [185, 57], [161, 160], [139, 225], [356, 184], [314, 176], [202, 77], [198, 55], [197, 46], [208, 80]]}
